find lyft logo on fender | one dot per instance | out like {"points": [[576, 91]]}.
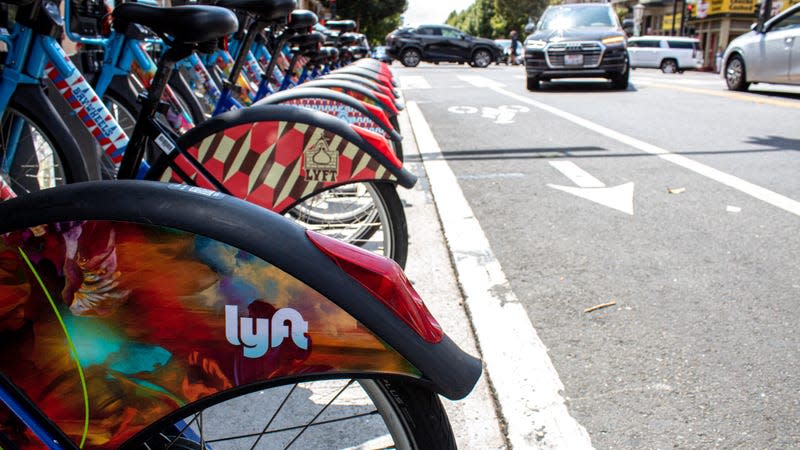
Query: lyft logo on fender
{"points": [[257, 338]]}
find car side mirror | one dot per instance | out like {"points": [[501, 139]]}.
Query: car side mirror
{"points": [[530, 27]]}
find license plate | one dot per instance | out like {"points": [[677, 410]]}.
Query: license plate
{"points": [[573, 60]]}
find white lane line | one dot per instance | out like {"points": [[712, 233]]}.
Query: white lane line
{"points": [[578, 176], [491, 176], [517, 364], [758, 192], [481, 81], [413, 82]]}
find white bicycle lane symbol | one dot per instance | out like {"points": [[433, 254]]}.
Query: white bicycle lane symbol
{"points": [[503, 114]]}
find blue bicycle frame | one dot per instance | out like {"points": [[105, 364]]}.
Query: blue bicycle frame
{"points": [[33, 56]]}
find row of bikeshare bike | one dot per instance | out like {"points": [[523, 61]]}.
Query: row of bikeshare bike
{"points": [[235, 280]]}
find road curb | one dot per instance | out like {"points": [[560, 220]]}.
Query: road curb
{"points": [[526, 386]]}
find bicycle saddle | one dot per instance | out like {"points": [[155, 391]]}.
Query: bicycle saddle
{"points": [[267, 10], [341, 25], [185, 24], [348, 39], [302, 18], [307, 40]]}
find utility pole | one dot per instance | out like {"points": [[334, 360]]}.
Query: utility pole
{"points": [[674, 14]]}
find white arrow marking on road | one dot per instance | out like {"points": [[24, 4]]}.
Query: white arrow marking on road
{"points": [[616, 197]]}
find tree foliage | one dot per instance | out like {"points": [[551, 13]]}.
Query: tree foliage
{"points": [[375, 18], [496, 18]]}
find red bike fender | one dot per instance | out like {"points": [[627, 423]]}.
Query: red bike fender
{"points": [[277, 155]]}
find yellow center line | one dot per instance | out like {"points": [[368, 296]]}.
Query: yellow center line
{"points": [[734, 95]]}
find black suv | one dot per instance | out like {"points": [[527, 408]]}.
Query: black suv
{"points": [[577, 40], [435, 43]]}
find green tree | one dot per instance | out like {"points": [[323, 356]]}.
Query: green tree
{"points": [[476, 19], [496, 18], [375, 18], [517, 12]]}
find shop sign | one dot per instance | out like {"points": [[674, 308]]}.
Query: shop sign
{"points": [[666, 24], [732, 6]]}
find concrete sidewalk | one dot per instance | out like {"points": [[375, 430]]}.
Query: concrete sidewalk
{"points": [[475, 421]]}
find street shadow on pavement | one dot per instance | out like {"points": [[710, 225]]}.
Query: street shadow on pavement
{"points": [[595, 86], [777, 94], [775, 144]]}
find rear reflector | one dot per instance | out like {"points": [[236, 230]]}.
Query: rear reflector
{"points": [[379, 143], [385, 280]]}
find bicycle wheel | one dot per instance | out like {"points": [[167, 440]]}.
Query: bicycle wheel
{"points": [[369, 215], [36, 148], [337, 413]]}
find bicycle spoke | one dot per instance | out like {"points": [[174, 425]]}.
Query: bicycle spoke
{"points": [[324, 408], [271, 419]]}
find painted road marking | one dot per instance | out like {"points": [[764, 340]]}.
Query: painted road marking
{"points": [[590, 188], [413, 82], [489, 176], [752, 98], [517, 364], [577, 175], [480, 81], [503, 114], [753, 190]]}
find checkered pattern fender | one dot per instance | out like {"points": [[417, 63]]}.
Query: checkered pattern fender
{"points": [[275, 164]]}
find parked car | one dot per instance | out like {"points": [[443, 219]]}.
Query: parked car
{"points": [[440, 43], [577, 40], [770, 54], [505, 44], [671, 54]]}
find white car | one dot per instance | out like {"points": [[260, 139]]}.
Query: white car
{"points": [[770, 55], [671, 54]]}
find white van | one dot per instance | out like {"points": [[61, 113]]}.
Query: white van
{"points": [[671, 54]]}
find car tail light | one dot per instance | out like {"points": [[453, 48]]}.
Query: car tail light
{"points": [[380, 144], [385, 280]]}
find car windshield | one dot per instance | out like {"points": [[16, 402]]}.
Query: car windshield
{"points": [[567, 17]]}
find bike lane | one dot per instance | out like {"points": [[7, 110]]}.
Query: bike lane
{"points": [[694, 310]]}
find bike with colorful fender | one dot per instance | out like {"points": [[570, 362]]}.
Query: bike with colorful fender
{"points": [[277, 157], [36, 147], [280, 157], [145, 315]]}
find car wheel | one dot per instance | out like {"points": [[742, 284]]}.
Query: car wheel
{"points": [[669, 66], [481, 58], [735, 74], [620, 80], [410, 57], [532, 83]]}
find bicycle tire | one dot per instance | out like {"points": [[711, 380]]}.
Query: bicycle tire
{"points": [[412, 419], [60, 156], [383, 214]]}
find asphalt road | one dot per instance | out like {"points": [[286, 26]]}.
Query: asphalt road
{"points": [[675, 200]]}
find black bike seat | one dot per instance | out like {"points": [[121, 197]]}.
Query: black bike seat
{"points": [[266, 10], [341, 25], [307, 40], [185, 24], [348, 39], [302, 18]]}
